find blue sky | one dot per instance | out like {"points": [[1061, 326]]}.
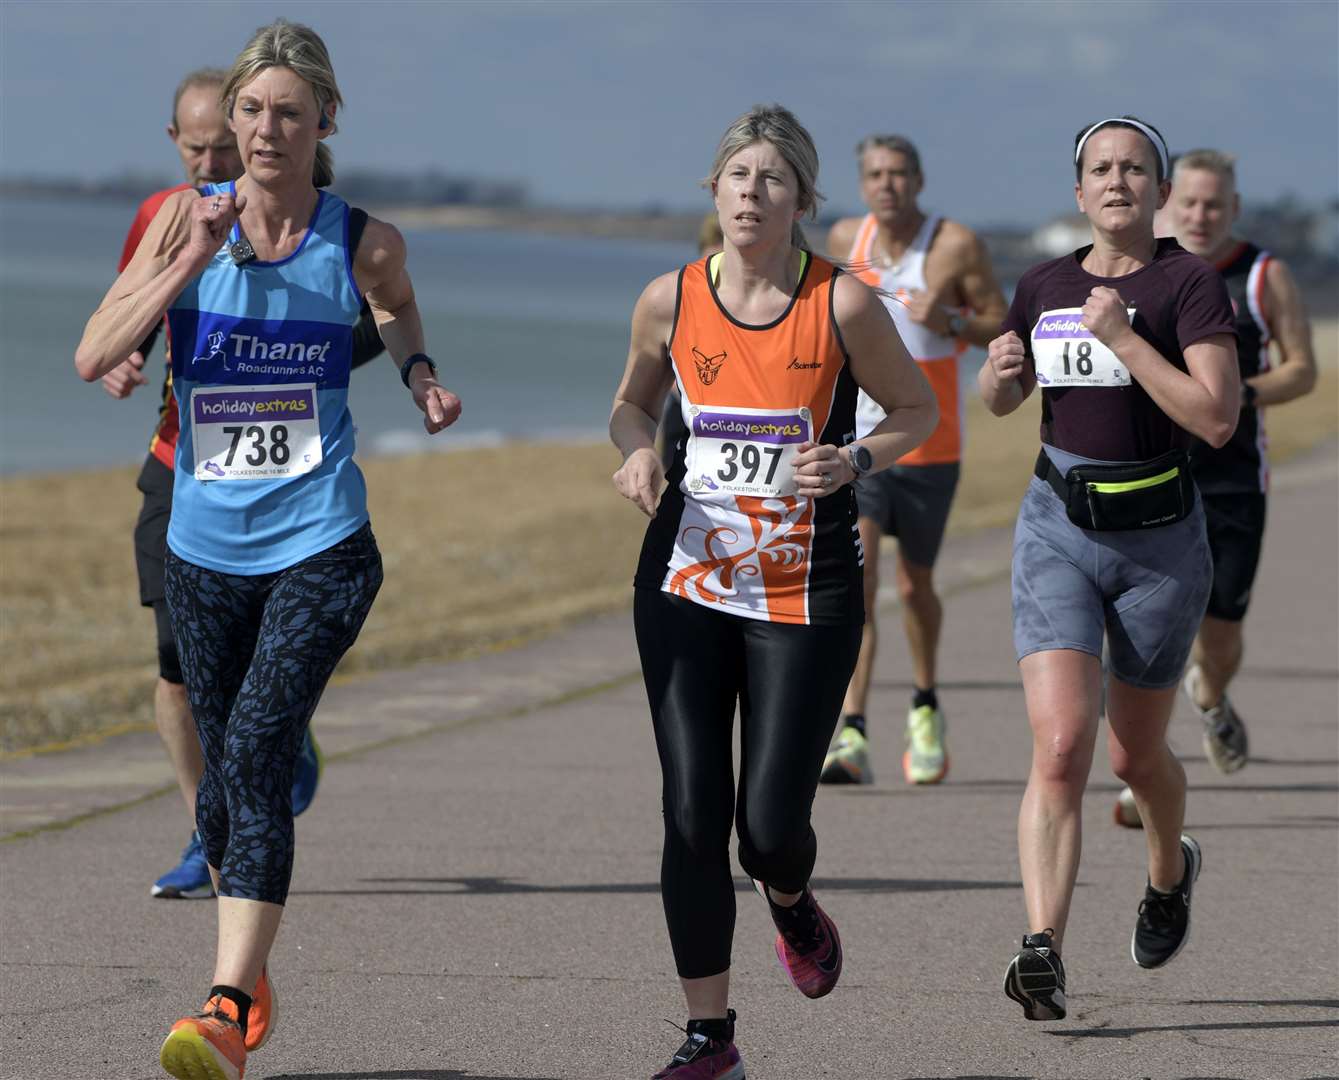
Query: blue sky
{"points": [[621, 104]]}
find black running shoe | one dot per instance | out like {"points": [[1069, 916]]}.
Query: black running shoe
{"points": [[1035, 978], [1163, 927]]}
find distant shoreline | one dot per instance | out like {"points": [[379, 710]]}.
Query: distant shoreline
{"points": [[673, 227]]}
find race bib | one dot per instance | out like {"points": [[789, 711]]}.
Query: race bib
{"points": [[1066, 354], [745, 451], [255, 432]]}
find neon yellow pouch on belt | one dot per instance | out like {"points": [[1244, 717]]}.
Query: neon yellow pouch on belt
{"points": [[1111, 498]]}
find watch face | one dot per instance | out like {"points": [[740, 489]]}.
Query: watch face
{"points": [[862, 459]]}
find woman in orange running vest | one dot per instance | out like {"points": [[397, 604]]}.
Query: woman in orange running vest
{"points": [[748, 590]]}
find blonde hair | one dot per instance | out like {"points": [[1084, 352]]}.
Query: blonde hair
{"points": [[300, 49], [709, 233], [776, 125], [1214, 161]]}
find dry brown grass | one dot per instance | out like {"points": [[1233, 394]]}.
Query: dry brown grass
{"points": [[481, 548]]}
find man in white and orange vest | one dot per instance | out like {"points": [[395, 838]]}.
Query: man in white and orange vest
{"points": [[939, 287]]}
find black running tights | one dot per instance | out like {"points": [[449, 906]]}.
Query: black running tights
{"points": [[789, 682]]}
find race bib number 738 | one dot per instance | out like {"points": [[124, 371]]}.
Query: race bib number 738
{"points": [[255, 432], [1066, 353]]}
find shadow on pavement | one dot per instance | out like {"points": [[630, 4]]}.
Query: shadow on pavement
{"points": [[1128, 1032], [497, 886], [401, 1074]]}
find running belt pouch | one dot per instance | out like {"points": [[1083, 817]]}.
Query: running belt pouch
{"points": [[1116, 498]]}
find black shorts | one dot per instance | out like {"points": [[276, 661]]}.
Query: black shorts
{"points": [[912, 503], [1236, 527], [155, 482]]}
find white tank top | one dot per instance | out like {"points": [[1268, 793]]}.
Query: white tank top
{"points": [[907, 275]]}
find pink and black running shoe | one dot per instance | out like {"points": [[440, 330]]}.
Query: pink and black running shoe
{"points": [[808, 945], [708, 1054]]}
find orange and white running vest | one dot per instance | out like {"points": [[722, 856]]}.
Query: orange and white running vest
{"points": [[731, 532], [936, 355]]}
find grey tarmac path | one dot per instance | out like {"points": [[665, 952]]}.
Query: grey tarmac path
{"points": [[476, 890]]}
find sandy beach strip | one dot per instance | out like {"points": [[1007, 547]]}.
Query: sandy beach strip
{"points": [[483, 548]]}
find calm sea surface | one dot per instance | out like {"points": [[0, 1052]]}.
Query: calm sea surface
{"points": [[531, 331]]}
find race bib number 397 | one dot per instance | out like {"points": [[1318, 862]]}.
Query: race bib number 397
{"points": [[1067, 354], [745, 451], [255, 432]]}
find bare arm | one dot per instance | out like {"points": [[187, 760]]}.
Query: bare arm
{"points": [[1205, 400], [637, 402], [1296, 372], [180, 241], [379, 269], [840, 238], [958, 268], [882, 367], [1006, 378], [981, 292]]}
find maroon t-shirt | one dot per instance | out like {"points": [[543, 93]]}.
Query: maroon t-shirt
{"points": [[1177, 300]]}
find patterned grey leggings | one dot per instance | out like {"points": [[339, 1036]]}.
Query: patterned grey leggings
{"points": [[256, 653]]}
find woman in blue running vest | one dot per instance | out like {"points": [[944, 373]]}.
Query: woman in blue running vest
{"points": [[272, 565]]}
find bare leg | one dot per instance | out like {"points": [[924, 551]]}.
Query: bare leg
{"points": [[1141, 758], [1062, 688], [708, 998], [1218, 650], [172, 715], [857, 693], [246, 934], [922, 616]]}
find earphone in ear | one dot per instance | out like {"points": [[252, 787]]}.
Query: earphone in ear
{"points": [[325, 122]]}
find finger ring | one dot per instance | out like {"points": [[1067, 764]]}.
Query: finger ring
{"points": [[825, 479], [214, 205]]}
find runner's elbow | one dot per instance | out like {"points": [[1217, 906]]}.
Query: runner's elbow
{"points": [[88, 362]]}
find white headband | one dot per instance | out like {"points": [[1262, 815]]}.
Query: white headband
{"points": [[1153, 137]]}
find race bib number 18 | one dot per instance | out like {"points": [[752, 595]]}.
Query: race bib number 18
{"points": [[1066, 354], [746, 451], [255, 432]]}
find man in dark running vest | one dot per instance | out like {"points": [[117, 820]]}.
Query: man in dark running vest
{"points": [[1234, 480]]}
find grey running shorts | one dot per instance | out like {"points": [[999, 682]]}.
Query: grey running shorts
{"points": [[912, 503], [1146, 588]]}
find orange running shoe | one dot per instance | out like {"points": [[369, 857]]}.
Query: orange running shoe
{"points": [[207, 1046], [264, 1012]]}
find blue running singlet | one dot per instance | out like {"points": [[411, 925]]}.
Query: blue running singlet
{"points": [[261, 354]]}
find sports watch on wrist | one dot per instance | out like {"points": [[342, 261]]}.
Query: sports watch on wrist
{"points": [[860, 458], [956, 325], [408, 366]]}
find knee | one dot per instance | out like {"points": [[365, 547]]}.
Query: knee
{"points": [[1062, 761], [915, 590], [703, 834], [1136, 765]]}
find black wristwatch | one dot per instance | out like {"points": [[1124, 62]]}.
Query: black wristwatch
{"points": [[861, 459], [408, 366]]}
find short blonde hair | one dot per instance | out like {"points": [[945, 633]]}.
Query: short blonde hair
{"points": [[1214, 161], [300, 49]]}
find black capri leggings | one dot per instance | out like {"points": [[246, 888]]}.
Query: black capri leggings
{"points": [[789, 682], [256, 653]]}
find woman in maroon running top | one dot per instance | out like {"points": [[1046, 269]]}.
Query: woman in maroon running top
{"points": [[1131, 340]]}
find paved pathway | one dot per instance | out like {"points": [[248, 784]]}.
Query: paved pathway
{"points": [[475, 896]]}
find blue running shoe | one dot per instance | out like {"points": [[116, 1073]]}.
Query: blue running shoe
{"points": [[307, 774], [189, 879]]}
